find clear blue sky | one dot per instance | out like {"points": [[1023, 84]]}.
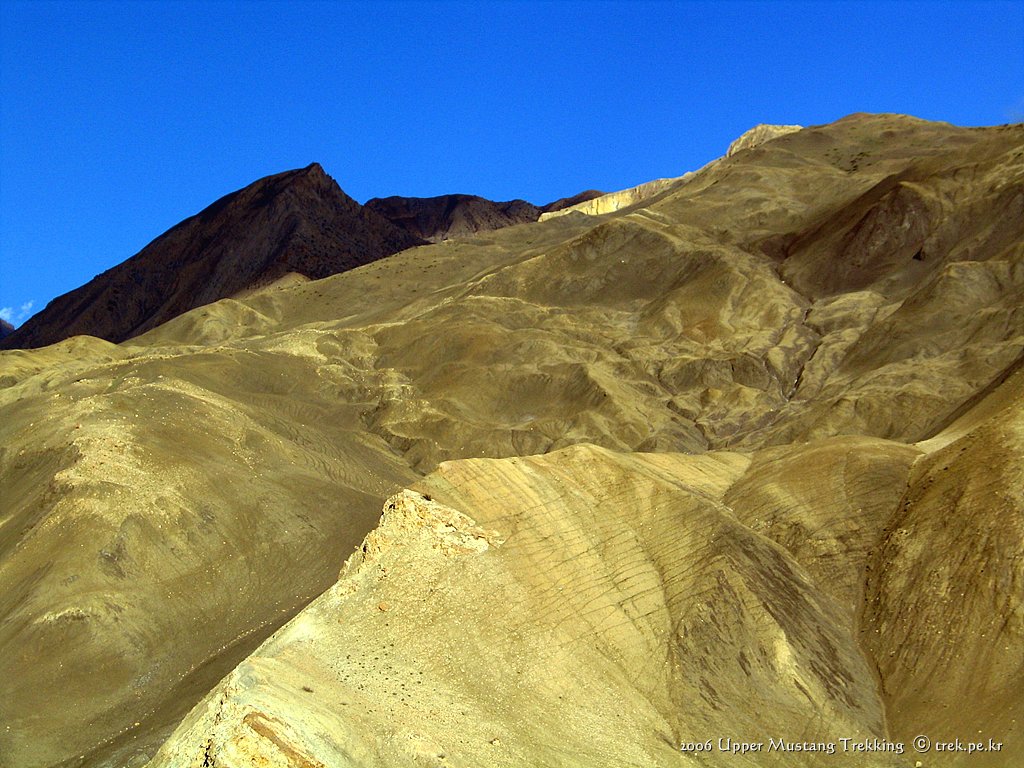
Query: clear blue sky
{"points": [[117, 120]]}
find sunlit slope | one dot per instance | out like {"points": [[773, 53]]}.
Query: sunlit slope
{"points": [[582, 608]]}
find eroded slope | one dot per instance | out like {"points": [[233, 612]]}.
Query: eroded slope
{"points": [[599, 609]]}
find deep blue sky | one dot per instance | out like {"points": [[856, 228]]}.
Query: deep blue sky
{"points": [[119, 120]]}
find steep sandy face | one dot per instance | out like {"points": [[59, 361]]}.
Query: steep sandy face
{"points": [[294, 222], [944, 609], [827, 503], [583, 608]]}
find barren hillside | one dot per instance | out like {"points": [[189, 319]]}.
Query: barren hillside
{"points": [[742, 459]]}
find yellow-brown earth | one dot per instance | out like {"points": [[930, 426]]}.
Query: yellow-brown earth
{"points": [[742, 460]]}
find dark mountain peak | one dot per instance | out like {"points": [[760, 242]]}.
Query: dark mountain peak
{"points": [[6, 329], [314, 175], [297, 221], [300, 184]]}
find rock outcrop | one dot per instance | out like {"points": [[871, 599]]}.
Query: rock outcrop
{"points": [[758, 135], [600, 204], [614, 201]]}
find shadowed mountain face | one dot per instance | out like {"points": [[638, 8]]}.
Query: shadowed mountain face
{"points": [[6, 329], [447, 216], [741, 459], [293, 223]]}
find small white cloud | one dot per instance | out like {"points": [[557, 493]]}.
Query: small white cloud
{"points": [[17, 316]]}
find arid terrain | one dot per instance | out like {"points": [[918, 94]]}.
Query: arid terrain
{"points": [[736, 455]]}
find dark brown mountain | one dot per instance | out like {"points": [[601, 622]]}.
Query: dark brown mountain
{"points": [[447, 216], [293, 222], [6, 329]]}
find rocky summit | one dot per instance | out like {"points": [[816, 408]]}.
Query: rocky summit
{"points": [[727, 475]]}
